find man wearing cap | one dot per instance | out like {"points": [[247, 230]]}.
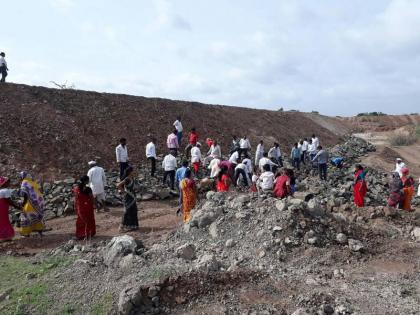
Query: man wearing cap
{"points": [[399, 165], [97, 182], [3, 67]]}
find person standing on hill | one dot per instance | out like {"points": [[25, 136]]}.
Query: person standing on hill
{"points": [[266, 161], [84, 205], [322, 157], [127, 185], [3, 67], [196, 157], [399, 165], [97, 182], [179, 176], [169, 167], [244, 145], [151, 155], [192, 141], [311, 150], [315, 141], [178, 126], [259, 152], [275, 154], [121, 152], [304, 150], [235, 144], [172, 142], [295, 156]]}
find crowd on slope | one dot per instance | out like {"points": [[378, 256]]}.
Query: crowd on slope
{"points": [[265, 175]]}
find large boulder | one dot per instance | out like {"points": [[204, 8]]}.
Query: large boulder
{"points": [[186, 251], [118, 247]]}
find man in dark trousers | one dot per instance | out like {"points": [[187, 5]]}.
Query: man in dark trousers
{"points": [[3, 67], [121, 153]]}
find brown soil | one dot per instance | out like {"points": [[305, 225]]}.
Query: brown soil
{"points": [[55, 132], [157, 220]]}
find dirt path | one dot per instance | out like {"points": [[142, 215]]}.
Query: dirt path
{"points": [[157, 220], [385, 155]]}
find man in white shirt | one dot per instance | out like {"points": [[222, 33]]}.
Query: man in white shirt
{"points": [[266, 161], [259, 152], [240, 170], [178, 126], [312, 150], [399, 165], [244, 146], [97, 182], [151, 155], [121, 152], [275, 154], [214, 153], [196, 157], [247, 161], [265, 182], [304, 149], [169, 166], [315, 141], [214, 167], [3, 67], [234, 158]]}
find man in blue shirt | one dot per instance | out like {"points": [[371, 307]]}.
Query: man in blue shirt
{"points": [[179, 176], [322, 157]]}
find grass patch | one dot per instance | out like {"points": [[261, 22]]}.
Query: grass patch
{"points": [[103, 306], [24, 280], [417, 131], [402, 138]]}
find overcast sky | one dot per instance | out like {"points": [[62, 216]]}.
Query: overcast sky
{"points": [[335, 57]]}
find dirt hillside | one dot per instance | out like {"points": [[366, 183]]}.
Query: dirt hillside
{"points": [[57, 131], [381, 123]]}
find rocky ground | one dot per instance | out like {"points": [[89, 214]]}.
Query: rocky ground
{"points": [[314, 253]]}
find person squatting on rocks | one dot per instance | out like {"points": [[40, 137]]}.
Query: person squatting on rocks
{"points": [[189, 194], [196, 157], [223, 180], [32, 218], [265, 182], [179, 129], [360, 186], [322, 158], [169, 165], [179, 176], [259, 152], [121, 152], [97, 183], [127, 185], [295, 156], [214, 153], [172, 142], [3, 67], [6, 229], [151, 155], [84, 206], [266, 161], [282, 187]]}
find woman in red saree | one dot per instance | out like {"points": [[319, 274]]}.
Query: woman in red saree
{"points": [[189, 195], [408, 188], [360, 186], [84, 205], [6, 229]]}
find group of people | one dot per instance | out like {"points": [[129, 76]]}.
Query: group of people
{"points": [[266, 175], [401, 187]]}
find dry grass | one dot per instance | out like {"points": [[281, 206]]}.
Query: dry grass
{"points": [[403, 137]]}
